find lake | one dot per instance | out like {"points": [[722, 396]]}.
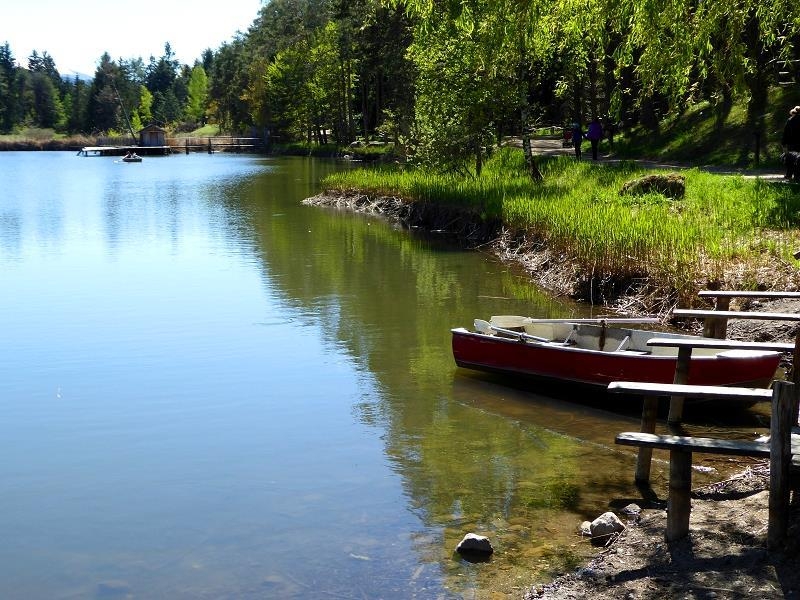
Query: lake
{"points": [[210, 390]]}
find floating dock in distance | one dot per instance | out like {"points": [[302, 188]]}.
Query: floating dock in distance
{"points": [[123, 150]]}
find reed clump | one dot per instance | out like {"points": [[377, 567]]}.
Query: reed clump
{"points": [[28, 142], [727, 230]]}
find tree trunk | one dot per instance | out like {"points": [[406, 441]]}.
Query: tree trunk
{"points": [[757, 83], [478, 156], [530, 160]]}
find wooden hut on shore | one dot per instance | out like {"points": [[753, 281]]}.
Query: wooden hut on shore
{"points": [[153, 135]]}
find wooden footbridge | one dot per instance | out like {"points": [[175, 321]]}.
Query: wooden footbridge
{"points": [[782, 447]]}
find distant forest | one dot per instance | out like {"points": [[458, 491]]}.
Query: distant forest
{"points": [[442, 78]]}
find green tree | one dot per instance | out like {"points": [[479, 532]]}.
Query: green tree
{"points": [[287, 101], [8, 100], [307, 90], [472, 62], [385, 76], [282, 24], [47, 110], [76, 103], [103, 111], [162, 72], [166, 107], [736, 47], [227, 82], [259, 95], [145, 110], [198, 94]]}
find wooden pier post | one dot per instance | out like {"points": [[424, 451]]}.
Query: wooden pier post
{"points": [[681, 377], [796, 380], [780, 460], [645, 457], [717, 327], [680, 490]]}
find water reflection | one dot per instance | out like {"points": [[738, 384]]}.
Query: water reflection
{"points": [[389, 298], [208, 389]]}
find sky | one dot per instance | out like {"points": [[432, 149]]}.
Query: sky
{"points": [[77, 32]]}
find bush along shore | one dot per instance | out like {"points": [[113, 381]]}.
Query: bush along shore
{"points": [[606, 233]]}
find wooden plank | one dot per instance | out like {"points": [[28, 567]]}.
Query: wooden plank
{"points": [[733, 314], [689, 391], [715, 344], [746, 294], [694, 444]]}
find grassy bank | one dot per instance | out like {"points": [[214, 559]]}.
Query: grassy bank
{"points": [[727, 230], [37, 140]]}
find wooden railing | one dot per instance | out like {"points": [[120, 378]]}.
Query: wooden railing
{"points": [[716, 326], [215, 144]]}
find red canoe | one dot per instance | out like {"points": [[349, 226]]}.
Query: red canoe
{"points": [[597, 355]]}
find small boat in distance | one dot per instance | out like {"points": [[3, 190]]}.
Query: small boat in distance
{"points": [[131, 157], [596, 352]]}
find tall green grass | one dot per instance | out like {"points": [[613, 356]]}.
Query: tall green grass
{"points": [[579, 214]]}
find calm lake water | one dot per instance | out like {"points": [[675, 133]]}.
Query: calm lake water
{"points": [[208, 390]]}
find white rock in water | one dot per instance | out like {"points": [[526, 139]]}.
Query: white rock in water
{"points": [[586, 528], [474, 544], [606, 524]]}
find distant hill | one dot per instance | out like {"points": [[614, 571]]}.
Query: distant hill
{"points": [[72, 74]]}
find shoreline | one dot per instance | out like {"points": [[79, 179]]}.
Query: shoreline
{"points": [[725, 554], [560, 274]]}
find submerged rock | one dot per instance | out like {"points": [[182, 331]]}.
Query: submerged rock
{"points": [[474, 544]]}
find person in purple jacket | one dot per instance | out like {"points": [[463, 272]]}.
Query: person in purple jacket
{"points": [[593, 134]]}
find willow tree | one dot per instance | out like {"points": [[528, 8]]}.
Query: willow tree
{"points": [[679, 46], [474, 63], [458, 94], [588, 35]]}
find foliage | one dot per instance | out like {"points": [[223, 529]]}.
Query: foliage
{"points": [[442, 79]]}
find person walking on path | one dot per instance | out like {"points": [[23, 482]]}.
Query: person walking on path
{"points": [[594, 134], [790, 140], [577, 139]]}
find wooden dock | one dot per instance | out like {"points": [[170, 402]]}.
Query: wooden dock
{"points": [[188, 145], [123, 150], [216, 144], [782, 447]]}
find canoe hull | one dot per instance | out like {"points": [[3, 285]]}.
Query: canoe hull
{"points": [[591, 367]]}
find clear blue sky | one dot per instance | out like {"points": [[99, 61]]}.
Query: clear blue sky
{"points": [[77, 32]]}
